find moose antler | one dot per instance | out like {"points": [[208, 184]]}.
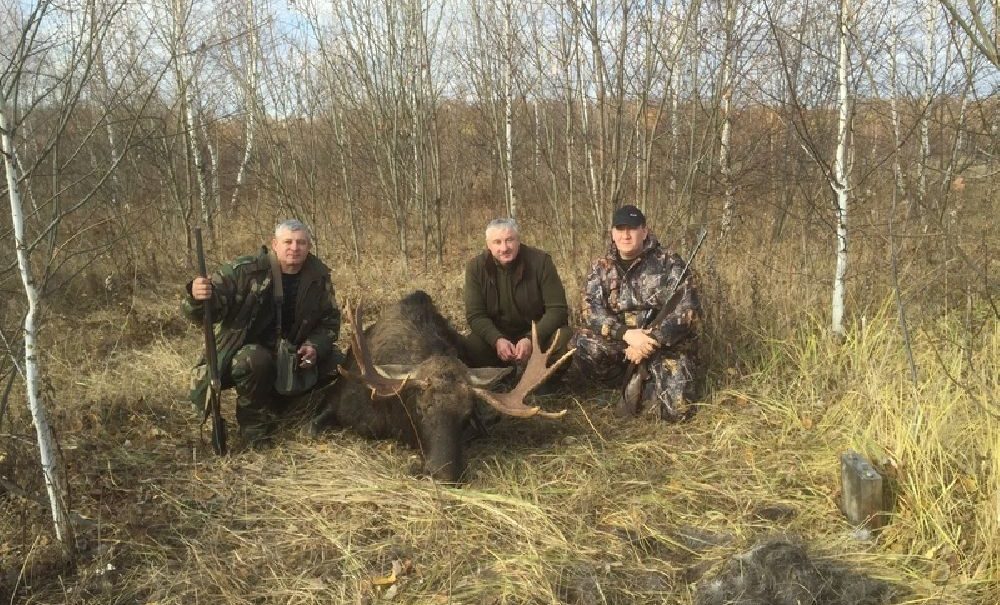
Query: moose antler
{"points": [[381, 386], [535, 373]]}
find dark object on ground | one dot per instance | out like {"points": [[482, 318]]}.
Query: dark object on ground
{"points": [[782, 573], [409, 383]]}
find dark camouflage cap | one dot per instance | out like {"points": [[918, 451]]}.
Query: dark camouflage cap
{"points": [[628, 216]]}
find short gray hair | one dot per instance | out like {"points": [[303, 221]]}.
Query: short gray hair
{"points": [[293, 225], [502, 223]]}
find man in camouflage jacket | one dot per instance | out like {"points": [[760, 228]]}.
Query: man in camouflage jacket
{"points": [[622, 295], [243, 303]]}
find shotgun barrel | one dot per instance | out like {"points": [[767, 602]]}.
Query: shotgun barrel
{"points": [[214, 393]]}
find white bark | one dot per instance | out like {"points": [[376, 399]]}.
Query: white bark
{"points": [[930, 23], [508, 96], [840, 172], [726, 89], [897, 167], [55, 483], [249, 97], [678, 38], [191, 135]]}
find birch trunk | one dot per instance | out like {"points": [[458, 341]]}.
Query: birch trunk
{"points": [[55, 481], [840, 174], [508, 97], [725, 137], [897, 167], [249, 99], [191, 137], [930, 22]]}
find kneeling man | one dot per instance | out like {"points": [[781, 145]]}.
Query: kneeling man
{"points": [[624, 292], [507, 287]]}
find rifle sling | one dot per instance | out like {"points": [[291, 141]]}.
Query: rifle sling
{"points": [[279, 293]]}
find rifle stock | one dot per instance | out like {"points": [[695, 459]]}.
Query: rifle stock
{"points": [[632, 393], [214, 392]]}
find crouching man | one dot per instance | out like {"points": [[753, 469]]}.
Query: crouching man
{"points": [[508, 286], [623, 293], [279, 325]]}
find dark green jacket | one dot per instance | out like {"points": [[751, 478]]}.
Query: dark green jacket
{"points": [[243, 309], [538, 295]]}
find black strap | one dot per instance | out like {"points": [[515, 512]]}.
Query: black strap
{"points": [[279, 294]]}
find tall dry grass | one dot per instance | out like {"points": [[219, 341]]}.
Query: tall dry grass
{"points": [[586, 509]]}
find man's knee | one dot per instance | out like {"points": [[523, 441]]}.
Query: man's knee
{"points": [[672, 391], [479, 353], [598, 358], [253, 366]]}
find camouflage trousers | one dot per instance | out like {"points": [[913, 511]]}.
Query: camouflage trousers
{"points": [[670, 386], [252, 374]]}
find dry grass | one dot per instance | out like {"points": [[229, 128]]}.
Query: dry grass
{"points": [[587, 509]]}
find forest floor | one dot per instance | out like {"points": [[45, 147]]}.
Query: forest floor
{"points": [[585, 509]]}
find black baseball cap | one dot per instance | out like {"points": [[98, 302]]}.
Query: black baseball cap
{"points": [[628, 216]]}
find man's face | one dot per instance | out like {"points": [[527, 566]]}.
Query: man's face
{"points": [[503, 245], [629, 240], [291, 248]]}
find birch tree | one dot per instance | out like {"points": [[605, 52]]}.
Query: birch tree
{"points": [[494, 57], [43, 67], [839, 181], [726, 102], [837, 170], [55, 480]]}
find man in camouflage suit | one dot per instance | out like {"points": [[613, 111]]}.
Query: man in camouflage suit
{"points": [[243, 303], [622, 295]]}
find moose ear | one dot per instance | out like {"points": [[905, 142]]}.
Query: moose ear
{"points": [[486, 377], [395, 371]]}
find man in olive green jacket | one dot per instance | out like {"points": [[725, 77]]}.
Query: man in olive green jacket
{"points": [[241, 295], [507, 287]]}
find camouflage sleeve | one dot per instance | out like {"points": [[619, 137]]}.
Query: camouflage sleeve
{"points": [[556, 313], [682, 323], [328, 329], [597, 314], [224, 286]]}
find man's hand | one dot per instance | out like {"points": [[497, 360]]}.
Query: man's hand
{"points": [[201, 288], [632, 354], [307, 355], [640, 344], [523, 350], [506, 350]]}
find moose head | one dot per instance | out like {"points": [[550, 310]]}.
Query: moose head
{"points": [[406, 380]]}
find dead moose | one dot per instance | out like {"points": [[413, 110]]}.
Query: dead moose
{"points": [[405, 380]]}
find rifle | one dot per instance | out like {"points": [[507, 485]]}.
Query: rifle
{"points": [[214, 392], [632, 389]]}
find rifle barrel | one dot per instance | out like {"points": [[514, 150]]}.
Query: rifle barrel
{"points": [[211, 359]]}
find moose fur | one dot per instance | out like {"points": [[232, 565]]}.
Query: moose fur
{"points": [[782, 572], [430, 417]]}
